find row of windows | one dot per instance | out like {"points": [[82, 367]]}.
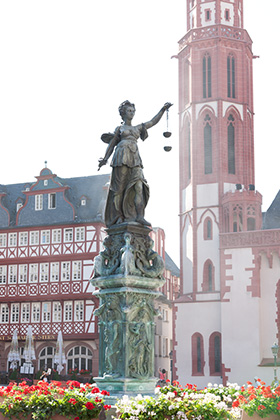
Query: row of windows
{"points": [[42, 272], [207, 76], [215, 354], [42, 312], [78, 357], [42, 237]]}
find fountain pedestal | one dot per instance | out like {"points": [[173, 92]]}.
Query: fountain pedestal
{"points": [[128, 274]]}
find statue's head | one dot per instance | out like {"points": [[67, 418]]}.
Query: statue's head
{"points": [[123, 107]]}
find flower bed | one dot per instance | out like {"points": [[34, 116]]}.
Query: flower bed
{"points": [[175, 402], [261, 401], [49, 401]]}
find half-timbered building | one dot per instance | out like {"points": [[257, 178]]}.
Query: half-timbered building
{"points": [[50, 232]]}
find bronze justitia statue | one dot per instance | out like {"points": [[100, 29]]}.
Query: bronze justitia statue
{"points": [[129, 192]]}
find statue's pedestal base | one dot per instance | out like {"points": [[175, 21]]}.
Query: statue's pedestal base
{"points": [[126, 386]]}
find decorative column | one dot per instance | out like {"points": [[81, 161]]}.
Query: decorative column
{"points": [[128, 273]]}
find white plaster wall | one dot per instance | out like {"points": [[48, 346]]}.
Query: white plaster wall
{"points": [[239, 107], [240, 320], [229, 187], [211, 6], [225, 6], [187, 199], [208, 249], [189, 320], [268, 304], [207, 195]]}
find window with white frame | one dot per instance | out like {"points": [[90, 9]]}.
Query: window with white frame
{"points": [[3, 274], [45, 237], [36, 309], [22, 278], [12, 239], [14, 313], [68, 309], [52, 201], [56, 236], [79, 310], [25, 312], [23, 238], [79, 234], [38, 202], [68, 234], [55, 271], [56, 312], [65, 270], [46, 311], [12, 274], [79, 357], [44, 272], [77, 270], [33, 273], [3, 240], [4, 313], [34, 237]]}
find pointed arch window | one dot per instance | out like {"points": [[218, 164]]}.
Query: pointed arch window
{"points": [[208, 284], [198, 361], [208, 229], [215, 354], [207, 145], [231, 145], [207, 76], [231, 76]]}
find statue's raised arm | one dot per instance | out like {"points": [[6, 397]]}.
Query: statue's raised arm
{"points": [[129, 192], [158, 116]]}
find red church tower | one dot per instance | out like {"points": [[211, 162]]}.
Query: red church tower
{"points": [[217, 191], [217, 179]]}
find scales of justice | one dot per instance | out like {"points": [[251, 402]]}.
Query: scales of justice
{"points": [[128, 272]]}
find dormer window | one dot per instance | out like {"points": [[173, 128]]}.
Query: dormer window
{"points": [[19, 205], [83, 202], [45, 182], [52, 200]]}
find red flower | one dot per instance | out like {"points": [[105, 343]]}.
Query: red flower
{"points": [[76, 418], [72, 401], [106, 407], [89, 405], [95, 390], [235, 404], [261, 407], [103, 392]]}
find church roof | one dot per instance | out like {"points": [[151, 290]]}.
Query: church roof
{"points": [[171, 266], [271, 218]]}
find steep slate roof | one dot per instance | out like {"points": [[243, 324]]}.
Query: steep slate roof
{"points": [[271, 218], [92, 188], [171, 266]]}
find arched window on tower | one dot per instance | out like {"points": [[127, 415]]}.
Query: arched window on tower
{"points": [[207, 145], [208, 229], [237, 218], [208, 284], [198, 361], [231, 76], [251, 218], [207, 76], [215, 354], [231, 145]]}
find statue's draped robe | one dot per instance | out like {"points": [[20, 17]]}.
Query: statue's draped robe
{"points": [[127, 171]]}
